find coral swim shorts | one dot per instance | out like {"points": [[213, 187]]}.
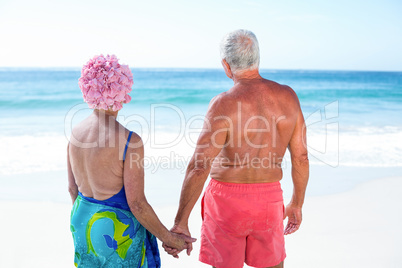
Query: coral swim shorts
{"points": [[242, 223]]}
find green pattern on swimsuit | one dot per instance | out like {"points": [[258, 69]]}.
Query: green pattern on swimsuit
{"points": [[119, 229]]}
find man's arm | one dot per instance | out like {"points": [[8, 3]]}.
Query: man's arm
{"points": [[300, 174], [209, 144]]}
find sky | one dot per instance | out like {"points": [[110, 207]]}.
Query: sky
{"points": [[294, 34]]}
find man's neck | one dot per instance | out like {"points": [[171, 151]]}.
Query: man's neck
{"points": [[246, 75]]}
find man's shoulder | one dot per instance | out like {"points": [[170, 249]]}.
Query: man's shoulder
{"points": [[275, 85], [220, 99], [222, 104], [284, 91]]}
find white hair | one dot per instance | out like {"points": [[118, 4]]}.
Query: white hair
{"points": [[240, 50]]}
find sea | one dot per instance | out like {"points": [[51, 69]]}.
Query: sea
{"points": [[353, 118]]}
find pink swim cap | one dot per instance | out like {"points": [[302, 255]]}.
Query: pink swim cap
{"points": [[105, 83]]}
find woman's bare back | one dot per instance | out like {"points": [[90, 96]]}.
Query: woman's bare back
{"points": [[96, 155]]}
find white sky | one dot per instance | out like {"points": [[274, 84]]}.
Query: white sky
{"points": [[307, 34]]}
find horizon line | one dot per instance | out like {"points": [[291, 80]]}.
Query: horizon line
{"points": [[76, 68]]}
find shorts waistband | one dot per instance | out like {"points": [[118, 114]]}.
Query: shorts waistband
{"points": [[245, 187]]}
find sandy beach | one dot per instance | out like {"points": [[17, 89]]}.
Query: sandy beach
{"points": [[355, 228]]}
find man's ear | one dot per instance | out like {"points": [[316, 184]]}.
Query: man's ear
{"points": [[227, 69]]}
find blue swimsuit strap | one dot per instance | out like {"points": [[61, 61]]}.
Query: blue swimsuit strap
{"points": [[125, 149]]}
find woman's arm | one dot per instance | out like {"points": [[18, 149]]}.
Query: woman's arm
{"points": [[134, 187], [72, 186]]}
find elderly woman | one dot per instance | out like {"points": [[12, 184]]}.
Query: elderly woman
{"points": [[111, 221]]}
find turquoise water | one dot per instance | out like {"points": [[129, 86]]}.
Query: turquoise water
{"points": [[354, 122], [365, 98], [43, 90], [349, 106]]}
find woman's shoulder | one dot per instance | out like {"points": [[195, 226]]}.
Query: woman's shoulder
{"points": [[135, 140], [130, 136], [80, 133]]}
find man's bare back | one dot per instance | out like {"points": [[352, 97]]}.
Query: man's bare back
{"points": [[266, 113]]}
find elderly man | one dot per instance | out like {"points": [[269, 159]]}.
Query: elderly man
{"points": [[244, 138]]}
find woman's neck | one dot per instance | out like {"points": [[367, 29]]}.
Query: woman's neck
{"points": [[106, 113]]}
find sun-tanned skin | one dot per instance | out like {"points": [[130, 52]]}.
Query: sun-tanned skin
{"points": [[244, 139], [96, 169]]}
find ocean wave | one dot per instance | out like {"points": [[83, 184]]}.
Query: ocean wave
{"points": [[359, 147]]}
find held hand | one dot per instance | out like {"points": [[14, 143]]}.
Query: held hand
{"points": [[184, 232], [294, 215], [179, 241]]}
